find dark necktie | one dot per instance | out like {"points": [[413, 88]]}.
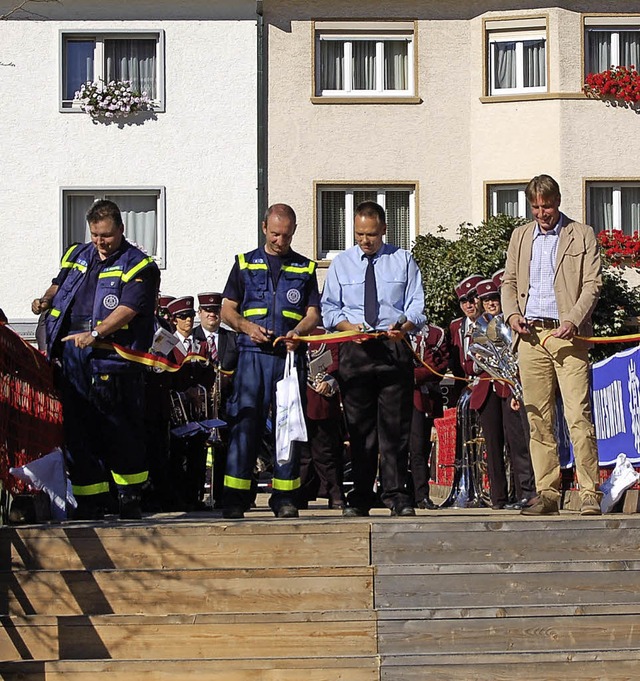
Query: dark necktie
{"points": [[213, 350], [370, 295]]}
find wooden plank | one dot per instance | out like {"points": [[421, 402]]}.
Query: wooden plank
{"points": [[515, 634], [360, 668], [186, 591], [392, 545], [161, 638], [507, 589], [175, 546]]}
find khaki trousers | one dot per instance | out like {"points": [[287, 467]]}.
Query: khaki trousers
{"points": [[564, 364]]}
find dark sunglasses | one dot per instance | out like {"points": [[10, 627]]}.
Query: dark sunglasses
{"points": [[212, 309], [185, 315], [469, 298]]}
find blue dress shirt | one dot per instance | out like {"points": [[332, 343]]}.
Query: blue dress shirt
{"points": [[398, 281]]}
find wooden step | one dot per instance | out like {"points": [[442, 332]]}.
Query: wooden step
{"points": [[187, 544], [448, 540], [324, 669], [590, 666], [156, 592], [269, 635]]}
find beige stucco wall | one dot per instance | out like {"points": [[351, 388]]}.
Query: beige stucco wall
{"points": [[454, 141]]}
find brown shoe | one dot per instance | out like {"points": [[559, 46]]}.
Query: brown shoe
{"points": [[590, 505], [543, 506]]}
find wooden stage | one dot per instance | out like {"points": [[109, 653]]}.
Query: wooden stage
{"points": [[450, 594]]}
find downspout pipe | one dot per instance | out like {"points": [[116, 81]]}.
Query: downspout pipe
{"points": [[261, 84]]}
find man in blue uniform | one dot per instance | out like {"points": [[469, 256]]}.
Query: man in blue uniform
{"points": [[105, 291], [272, 291]]}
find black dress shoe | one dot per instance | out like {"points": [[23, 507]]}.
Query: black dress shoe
{"points": [[403, 511], [498, 507], [233, 512], [354, 512], [336, 505], [517, 505], [427, 504]]}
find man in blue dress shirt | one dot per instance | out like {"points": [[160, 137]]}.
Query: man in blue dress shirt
{"points": [[374, 286]]}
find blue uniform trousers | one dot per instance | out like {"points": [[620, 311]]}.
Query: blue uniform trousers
{"points": [[103, 425], [247, 411]]}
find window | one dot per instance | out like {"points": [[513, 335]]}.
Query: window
{"points": [[112, 56], [614, 206], [508, 199], [364, 59], [142, 213], [516, 56], [336, 206], [612, 46]]}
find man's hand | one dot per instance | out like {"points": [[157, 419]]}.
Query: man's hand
{"points": [[566, 331], [323, 388], [290, 340], [258, 334], [519, 324], [81, 340], [40, 305]]}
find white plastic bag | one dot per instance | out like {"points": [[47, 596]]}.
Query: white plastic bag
{"points": [[622, 477], [290, 424]]}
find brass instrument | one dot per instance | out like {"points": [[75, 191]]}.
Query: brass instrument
{"points": [[490, 349]]}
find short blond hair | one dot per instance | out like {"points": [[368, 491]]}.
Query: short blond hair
{"points": [[542, 185]]}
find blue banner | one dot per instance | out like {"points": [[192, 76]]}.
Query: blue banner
{"points": [[616, 406]]}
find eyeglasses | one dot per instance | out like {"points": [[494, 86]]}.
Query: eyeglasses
{"points": [[469, 298], [185, 315]]}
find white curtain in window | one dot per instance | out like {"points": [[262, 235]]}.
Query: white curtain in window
{"points": [[78, 65], [396, 66], [333, 220], [140, 217], [331, 65], [534, 63], [364, 195], [504, 65], [133, 60], [364, 64], [76, 227], [601, 208], [507, 202], [398, 218], [630, 199], [630, 48], [599, 56]]}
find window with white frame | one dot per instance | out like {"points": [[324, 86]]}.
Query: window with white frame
{"points": [[517, 56], [142, 213], [508, 199], [364, 59], [336, 206], [614, 206], [611, 45], [136, 57]]}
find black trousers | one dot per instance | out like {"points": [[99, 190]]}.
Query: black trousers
{"points": [[420, 450], [500, 425], [376, 381], [321, 464]]}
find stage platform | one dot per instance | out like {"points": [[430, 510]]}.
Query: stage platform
{"points": [[450, 594]]}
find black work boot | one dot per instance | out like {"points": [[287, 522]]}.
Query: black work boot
{"points": [[130, 505]]}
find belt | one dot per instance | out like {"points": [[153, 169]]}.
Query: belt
{"points": [[545, 323]]}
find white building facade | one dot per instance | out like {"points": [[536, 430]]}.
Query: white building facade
{"points": [[184, 173]]}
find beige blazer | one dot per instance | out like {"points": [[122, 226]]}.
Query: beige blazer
{"points": [[578, 276]]}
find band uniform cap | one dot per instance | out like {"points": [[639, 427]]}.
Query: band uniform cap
{"points": [[496, 277], [485, 288], [210, 299], [178, 305], [163, 301], [467, 285]]}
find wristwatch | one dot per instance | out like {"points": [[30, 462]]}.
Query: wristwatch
{"points": [[96, 335]]}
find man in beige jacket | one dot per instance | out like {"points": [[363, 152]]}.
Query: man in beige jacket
{"points": [[551, 285]]}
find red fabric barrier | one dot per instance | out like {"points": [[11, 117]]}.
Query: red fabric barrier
{"points": [[30, 411], [446, 449]]}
